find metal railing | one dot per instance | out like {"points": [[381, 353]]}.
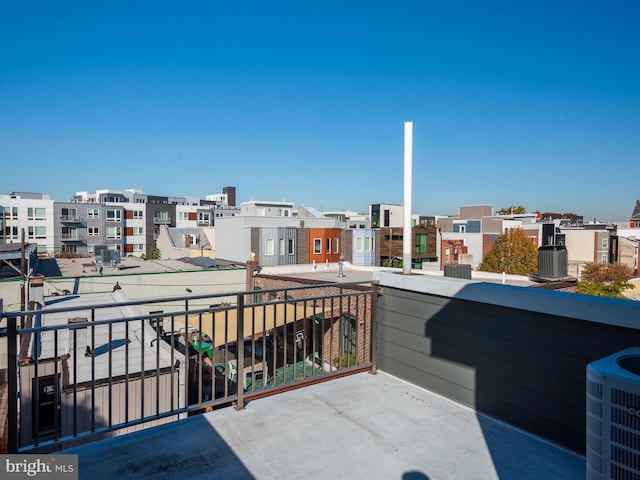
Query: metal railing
{"points": [[84, 372]]}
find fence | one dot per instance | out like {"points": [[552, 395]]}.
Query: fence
{"points": [[79, 371]]}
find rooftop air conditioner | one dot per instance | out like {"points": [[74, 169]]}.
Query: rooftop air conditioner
{"points": [[613, 416], [458, 271]]}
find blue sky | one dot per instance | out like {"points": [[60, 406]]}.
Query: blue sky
{"points": [[533, 103]]}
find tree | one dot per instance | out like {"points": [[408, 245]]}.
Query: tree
{"points": [[511, 210], [606, 272], [154, 253], [512, 253], [605, 280]]}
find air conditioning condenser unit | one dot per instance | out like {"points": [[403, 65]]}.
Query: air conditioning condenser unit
{"points": [[613, 416]]}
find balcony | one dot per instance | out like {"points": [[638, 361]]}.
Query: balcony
{"points": [[70, 237], [161, 219], [69, 218], [439, 378]]}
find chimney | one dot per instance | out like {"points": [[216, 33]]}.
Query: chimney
{"points": [[252, 269]]}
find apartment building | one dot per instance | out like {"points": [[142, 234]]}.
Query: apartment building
{"points": [[390, 242], [31, 213], [386, 215], [269, 232], [126, 221]]}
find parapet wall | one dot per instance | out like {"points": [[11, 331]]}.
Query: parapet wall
{"points": [[515, 353]]}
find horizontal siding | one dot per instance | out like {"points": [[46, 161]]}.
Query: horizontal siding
{"points": [[525, 368]]}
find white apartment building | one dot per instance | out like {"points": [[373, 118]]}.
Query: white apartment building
{"points": [[32, 213]]}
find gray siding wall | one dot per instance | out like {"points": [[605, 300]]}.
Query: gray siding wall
{"points": [[107, 403], [280, 255], [524, 367]]}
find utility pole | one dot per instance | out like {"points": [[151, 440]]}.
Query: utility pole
{"points": [[22, 279]]}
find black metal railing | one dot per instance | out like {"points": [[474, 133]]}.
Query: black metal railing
{"points": [[82, 372]]}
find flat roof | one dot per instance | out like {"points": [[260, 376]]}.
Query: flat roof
{"points": [[353, 273], [360, 426], [79, 267], [123, 340]]}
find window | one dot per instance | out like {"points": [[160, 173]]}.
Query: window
{"points": [[447, 254], [161, 217], [359, 246], [328, 241], [336, 246], [69, 233], [11, 212], [11, 232], [37, 213], [114, 215], [69, 214], [204, 218], [257, 297], [183, 216], [138, 247], [605, 243], [268, 247], [368, 244], [70, 249], [290, 246], [138, 214], [317, 246], [604, 258], [421, 243], [348, 341], [93, 213], [138, 230], [281, 246], [37, 232], [114, 233], [47, 410], [93, 231]]}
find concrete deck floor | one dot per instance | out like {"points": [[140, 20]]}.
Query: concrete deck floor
{"points": [[361, 426]]}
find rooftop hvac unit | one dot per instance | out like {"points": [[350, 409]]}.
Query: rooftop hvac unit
{"points": [[458, 271], [552, 261], [613, 416]]}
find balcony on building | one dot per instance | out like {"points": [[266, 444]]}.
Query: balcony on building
{"points": [[160, 219], [70, 237]]}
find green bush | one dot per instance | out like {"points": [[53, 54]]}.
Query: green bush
{"points": [[345, 360]]}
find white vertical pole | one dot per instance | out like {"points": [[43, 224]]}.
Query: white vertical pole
{"points": [[408, 165]]}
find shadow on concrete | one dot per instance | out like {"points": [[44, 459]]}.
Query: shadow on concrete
{"points": [[127, 267], [60, 299], [49, 267], [102, 349], [414, 475], [189, 448]]}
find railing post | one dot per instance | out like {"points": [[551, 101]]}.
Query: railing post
{"points": [[240, 355], [12, 382], [373, 331]]}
